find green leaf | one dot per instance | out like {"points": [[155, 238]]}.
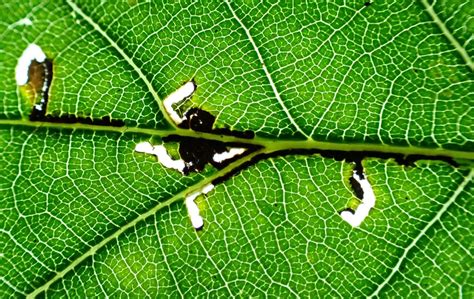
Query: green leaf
{"points": [[322, 85]]}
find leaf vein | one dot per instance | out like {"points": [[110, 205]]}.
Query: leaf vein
{"points": [[124, 55], [454, 42], [422, 233], [267, 73]]}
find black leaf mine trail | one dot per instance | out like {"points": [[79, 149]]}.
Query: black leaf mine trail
{"points": [[198, 151]]}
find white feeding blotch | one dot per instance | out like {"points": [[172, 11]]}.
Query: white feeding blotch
{"points": [[220, 157], [177, 96], [193, 209], [160, 152], [367, 203], [32, 52], [22, 22]]}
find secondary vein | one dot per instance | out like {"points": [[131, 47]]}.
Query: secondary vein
{"points": [[127, 58], [423, 232], [92, 250], [267, 73], [464, 55]]}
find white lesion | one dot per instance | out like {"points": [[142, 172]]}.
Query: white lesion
{"points": [[22, 22], [161, 154], [181, 94], [193, 210], [31, 53], [367, 203], [229, 154]]}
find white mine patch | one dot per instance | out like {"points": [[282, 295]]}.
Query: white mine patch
{"points": [[32, 52], [220, 157], [207, 188], [160, 152], [179, 95], [367, 203], [193, 209], [22, 22]]}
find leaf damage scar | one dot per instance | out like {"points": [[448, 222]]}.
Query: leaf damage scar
{"points": [[193, 210], [195, 118], [194, 153], [161, 154], [364, 192], [34, 73]]}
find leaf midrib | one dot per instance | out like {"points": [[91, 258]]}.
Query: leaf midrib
{"points": [[270, 145]]}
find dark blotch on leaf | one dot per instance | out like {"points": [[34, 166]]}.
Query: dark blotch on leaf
{"points": [[198, 120], [40, 76], [356, 187], [72, 119], [367, 3], [197, 152]]}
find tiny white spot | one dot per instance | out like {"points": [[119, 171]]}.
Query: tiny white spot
{"points": [[160, 152], [207, 188], [219, 157], [32, 52], [367, 203], [177, 96], [144, 147], [22, 22], [192, 207]]}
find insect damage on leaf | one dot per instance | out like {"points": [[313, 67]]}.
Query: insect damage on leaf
{"points": [[182, 93], [22, 22], [161, 154], [196, 153], [231, 153], [356, 187], [195, 118], [193, 210], [364, 191], [34, 73]]}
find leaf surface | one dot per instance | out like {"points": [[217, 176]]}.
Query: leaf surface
{"points": [[86, 215]]}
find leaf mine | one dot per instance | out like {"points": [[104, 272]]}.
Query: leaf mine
{"points": [[34, 73], [22, 22], [161, 154], [363, 189], [193, 210], [197, 152], [32, 53], [229, 154], [177, 96]]}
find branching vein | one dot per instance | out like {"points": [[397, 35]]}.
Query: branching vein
{"points": [[465, 56], [423, 232], [267, 73], [127, 58]]}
